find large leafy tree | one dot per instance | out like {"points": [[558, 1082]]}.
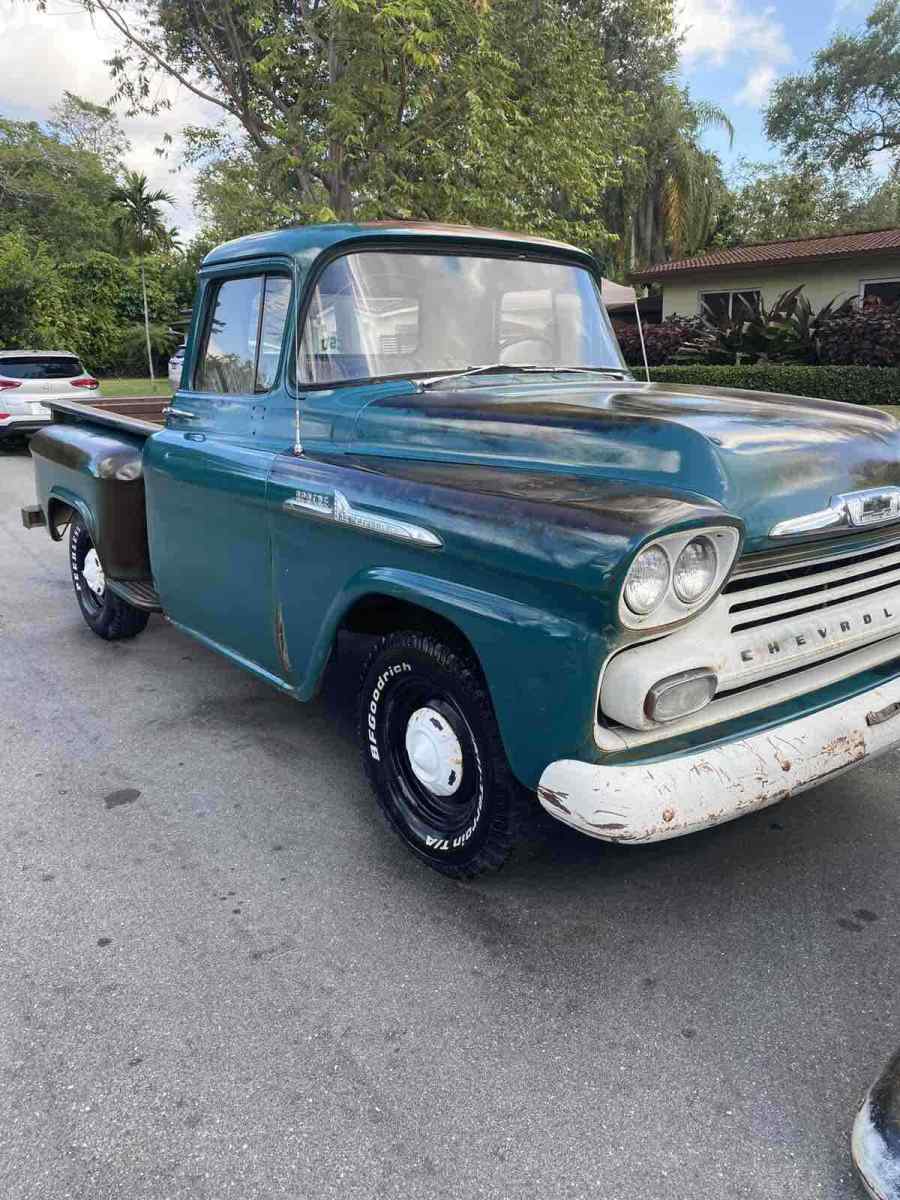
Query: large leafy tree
{"points": [[140, 225], [452, 109], [53, 191], [90, 127], [772, 201], [847, 107]]}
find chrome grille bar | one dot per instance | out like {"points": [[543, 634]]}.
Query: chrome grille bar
{"points": [[754, 600]]}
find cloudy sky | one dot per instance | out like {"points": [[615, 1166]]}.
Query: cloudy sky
{"points": [[734, 50]]}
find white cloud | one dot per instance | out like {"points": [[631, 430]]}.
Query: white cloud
{"points": [[731, 33], [757, 86], [44, 54]]}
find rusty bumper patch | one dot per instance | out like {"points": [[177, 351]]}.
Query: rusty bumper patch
{"points": [[648, 802]]}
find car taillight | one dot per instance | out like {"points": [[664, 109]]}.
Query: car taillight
{"points": [[87, 382], [3, 416], [9, 383]]}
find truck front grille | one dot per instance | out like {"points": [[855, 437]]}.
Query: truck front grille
{"points": [[786, 624], [770, 595]]}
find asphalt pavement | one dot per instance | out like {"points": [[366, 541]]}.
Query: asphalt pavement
{"points": [[221, 976]]}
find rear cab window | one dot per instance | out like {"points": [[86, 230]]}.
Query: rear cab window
{"points": [[34, 367], [245, 322]]}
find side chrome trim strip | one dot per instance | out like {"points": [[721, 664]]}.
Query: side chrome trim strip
{"points": [[337, 508]]}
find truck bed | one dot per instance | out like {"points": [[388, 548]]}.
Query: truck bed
{"points": [[141, 414]]}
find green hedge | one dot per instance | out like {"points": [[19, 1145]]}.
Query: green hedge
{"points": [[855, 385]]}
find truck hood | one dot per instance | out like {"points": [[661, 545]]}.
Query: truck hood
{"points": [[762, 457]]}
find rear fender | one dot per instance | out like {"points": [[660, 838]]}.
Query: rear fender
{"points": [[98, 474]]}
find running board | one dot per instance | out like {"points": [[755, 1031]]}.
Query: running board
{"points": [[140, 593]]}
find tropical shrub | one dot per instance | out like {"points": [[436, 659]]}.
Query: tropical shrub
{"points": [[663, 341], [132, 358], [868, 337], [787, 332]]}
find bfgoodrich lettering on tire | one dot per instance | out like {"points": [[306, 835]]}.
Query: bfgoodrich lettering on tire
{"points": [[107, 614], [433, 755]]}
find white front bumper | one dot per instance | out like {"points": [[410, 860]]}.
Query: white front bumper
{"points": [[648, 802]]}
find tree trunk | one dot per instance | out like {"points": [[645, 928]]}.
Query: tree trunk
{"points": [[147, 324]]}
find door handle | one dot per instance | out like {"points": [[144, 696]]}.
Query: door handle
{"points": [[169, 411]]}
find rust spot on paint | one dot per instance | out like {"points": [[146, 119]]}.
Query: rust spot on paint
{"points": [[701, 766], [849, 746], [668, 815], [281, 641], [784, 763], [553, 798]]}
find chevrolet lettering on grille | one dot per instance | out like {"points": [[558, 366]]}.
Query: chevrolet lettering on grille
{"points": [[851, 625]]}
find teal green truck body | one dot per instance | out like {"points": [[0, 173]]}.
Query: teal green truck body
{"points": [[264, 522]]}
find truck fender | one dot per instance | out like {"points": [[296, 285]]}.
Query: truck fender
{"points": [[539, 667], [98, 474], [61, 496]]}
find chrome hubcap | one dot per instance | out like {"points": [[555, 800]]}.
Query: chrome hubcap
{"points": [[434, 751], [93, 573]]}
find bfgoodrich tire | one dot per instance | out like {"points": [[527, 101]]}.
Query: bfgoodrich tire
{"points": [[433, 755], [109, 616]]}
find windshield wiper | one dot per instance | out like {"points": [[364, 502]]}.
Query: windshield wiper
{"points": [[513, 369]]}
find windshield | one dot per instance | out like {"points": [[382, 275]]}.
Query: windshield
{"points": [[375, 314]]}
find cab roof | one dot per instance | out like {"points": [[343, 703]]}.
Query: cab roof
{"points": [[308, 241]]}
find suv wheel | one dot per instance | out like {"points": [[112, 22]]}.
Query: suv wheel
{"points": [[433, 755], [109, 616]]}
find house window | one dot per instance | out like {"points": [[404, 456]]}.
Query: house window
{"points": [[880, 291], [729, 304]]}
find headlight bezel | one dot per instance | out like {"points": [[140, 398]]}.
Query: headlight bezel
{"points": [[672, 610]]}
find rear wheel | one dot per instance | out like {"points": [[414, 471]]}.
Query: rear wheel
{"points": [[434, 757], [108, 615]]}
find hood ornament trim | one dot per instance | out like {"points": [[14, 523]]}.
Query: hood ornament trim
{"points": [[852, 510]]}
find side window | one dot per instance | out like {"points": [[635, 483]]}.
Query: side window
{"points": [[737, 305], [242, 344], [881, 291], [276, 304]]}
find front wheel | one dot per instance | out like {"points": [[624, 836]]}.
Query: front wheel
{"points": [[108, 615], [434, 757]]}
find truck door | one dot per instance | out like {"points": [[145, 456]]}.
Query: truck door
{"points": [[206, 475]]}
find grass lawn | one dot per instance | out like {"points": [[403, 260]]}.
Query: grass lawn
{"points": [[135, 387]]}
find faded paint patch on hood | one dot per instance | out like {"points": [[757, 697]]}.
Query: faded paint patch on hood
{"points": [[765, 458]]}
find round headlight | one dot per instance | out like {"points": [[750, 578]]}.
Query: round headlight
{"points": [[647, 581], [695, 570]]}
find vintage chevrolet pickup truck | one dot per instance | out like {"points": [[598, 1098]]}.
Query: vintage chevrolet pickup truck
{"points": [[655, 609]]}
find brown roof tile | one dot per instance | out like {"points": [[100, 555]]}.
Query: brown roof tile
{"points": [[771, 254]]}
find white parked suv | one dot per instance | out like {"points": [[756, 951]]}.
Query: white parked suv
{"points": [[176, 362], [28, 377]]}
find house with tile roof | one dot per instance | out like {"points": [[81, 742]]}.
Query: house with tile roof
{"points": [[864, 266]]}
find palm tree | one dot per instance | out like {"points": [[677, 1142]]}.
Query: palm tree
{"points": [[669, 204], [140, 226]]}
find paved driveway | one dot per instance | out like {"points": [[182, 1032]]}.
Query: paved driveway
{"points": [[221, 977]]}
